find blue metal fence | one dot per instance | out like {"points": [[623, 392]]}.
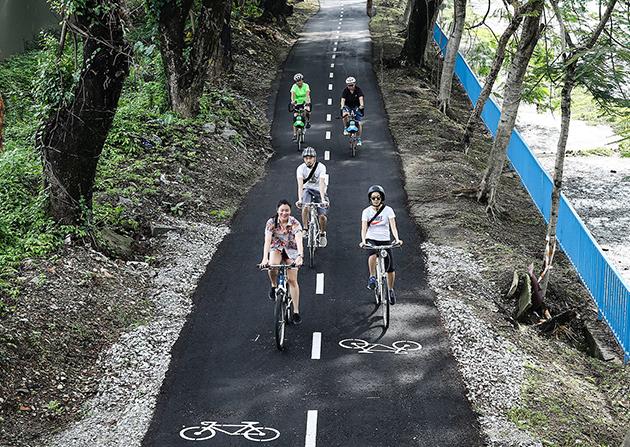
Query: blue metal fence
{"points": [[608, 289]]}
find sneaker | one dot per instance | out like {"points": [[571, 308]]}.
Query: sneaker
{"points": [[308, 124], [322, 239], [371, 283], [359, 142], [345, 132], [297, 319], [392, 297], [272, 294]]}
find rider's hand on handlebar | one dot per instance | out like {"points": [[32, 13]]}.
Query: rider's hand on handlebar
{"points": [[398, 242], [264, 263], [299, 204], [298, 262], [362, 244]]}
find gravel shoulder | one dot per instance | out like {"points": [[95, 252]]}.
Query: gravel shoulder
{"points": [[529, 389]]}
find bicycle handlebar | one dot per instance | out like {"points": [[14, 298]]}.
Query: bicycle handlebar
{"points": [[317, 204], [278, 266], [380, 247]]}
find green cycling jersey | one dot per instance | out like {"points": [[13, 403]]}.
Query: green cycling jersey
{"points": [[300, 93]]}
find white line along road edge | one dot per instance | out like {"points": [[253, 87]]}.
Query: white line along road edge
{"points": [[311, 429], [316, 350]]}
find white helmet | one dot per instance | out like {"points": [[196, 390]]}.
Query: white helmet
{"points": [[350, 80], [298, 77]]}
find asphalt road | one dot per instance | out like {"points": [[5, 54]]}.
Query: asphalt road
{"points": [[225, 367]]}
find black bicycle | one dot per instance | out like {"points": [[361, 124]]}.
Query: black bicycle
{"points": [[313, 231], [283, 304], [353, 129], [381, 292]]}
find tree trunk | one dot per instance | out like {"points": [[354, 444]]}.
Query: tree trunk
{"points": [[429, 48], [276, 9], [419, 30], [565, 107], [494, 72], [368, 7], [186, 75], [1, 123], [223, 62], [571, 60], [448, 67], [72, 138], [407, 14], [514, 85]]}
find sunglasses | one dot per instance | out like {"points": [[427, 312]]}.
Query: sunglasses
{"points": [[375, 198]]}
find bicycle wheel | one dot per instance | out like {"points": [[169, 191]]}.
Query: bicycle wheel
{"points": [[353, 343], [312, 243], [406, 345], [262, 434], [353, 146], [197, 433], [279, 320], [385, 300], [300, 139]]}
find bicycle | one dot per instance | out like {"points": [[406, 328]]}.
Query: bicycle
{"points": [[313, 230], [353, 129], [247, 429], [283, 304], [299, 122], [381, 292]]}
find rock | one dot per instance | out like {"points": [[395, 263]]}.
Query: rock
{"points": [[251, 51], [209, 128], [228, 132], [159, 229], [116, 244]]}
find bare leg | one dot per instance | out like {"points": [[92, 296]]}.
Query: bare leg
{"points": [[305, 217], [360, 129], [372, 265], [323, 220], [295, 289], [275, 258], [391, 278]]}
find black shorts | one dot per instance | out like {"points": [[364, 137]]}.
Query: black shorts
{"points": [[389, 261]]}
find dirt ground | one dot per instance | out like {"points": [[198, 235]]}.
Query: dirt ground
{"points": [[73, 305], [566, 397]]}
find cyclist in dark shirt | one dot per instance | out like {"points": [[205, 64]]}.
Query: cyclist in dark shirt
{"points": [[352, 99]]}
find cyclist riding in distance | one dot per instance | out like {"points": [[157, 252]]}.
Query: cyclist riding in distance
{"points": [[283, 245], [377, 220], [352, 99], [300, 96], [311, 187]]}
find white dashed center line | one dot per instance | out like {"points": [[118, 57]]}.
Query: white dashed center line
{"points": [[316, 350], [328, 117], [332, 65], [334, 48], [331, 75], [330, 101], [326, 155], [329, 86], [334, 55], [336, 43], [319, 284], [311, 429], [328, 134]]}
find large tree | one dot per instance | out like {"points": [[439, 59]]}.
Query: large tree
{"points": [[572, 55], [448, 67], [421, 20], [72, 138], [497, 63], [488, 186], [187, 64]]}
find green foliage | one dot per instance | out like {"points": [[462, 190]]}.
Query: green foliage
{"points": [[250, 10]]}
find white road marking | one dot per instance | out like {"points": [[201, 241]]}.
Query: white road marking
{"points": [[316, 350], [338, 27], [328, 117], [336, 43], [329, 86], [319, 284], [311, 429], [334, 55], [328, 134], [331, 75], [335, 49], [332, 65], [330, 101], [326, 155]]}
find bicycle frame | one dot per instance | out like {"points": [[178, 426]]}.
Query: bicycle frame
{"points": [[283, 305], [313, 231], [301, 130], [381, 293], [353, 138]]}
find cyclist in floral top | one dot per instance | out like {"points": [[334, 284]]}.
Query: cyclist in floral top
{"points": [[283, 245]]}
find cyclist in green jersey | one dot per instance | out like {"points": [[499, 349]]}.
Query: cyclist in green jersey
{"points": [[300, 97]]}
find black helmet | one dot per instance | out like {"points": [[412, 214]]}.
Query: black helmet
{"points": [[376, 188], [309, 152]]}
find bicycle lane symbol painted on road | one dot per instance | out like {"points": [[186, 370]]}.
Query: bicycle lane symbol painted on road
{"points": [[250, 430], [365, 347]]}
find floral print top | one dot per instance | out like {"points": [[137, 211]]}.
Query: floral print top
{"points": [[283, 236]]}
